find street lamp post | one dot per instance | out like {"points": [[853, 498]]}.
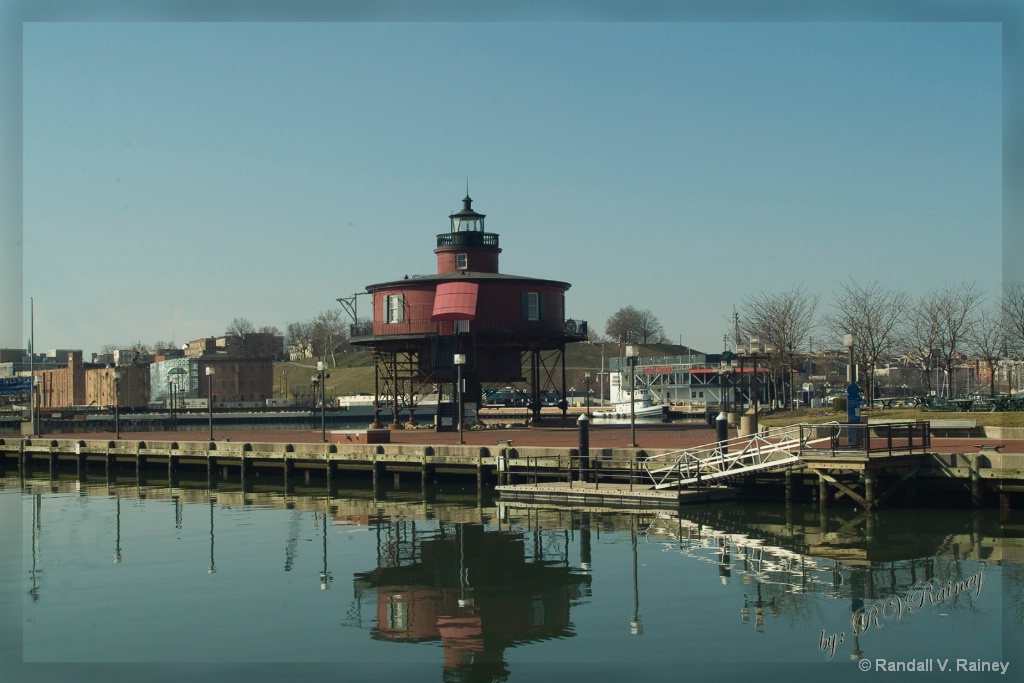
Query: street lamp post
{"points": [[318, 382], [170, 390], [459, 360], [586, 380], [117, 399], [852, 391], [631, 355], [209, 397]]}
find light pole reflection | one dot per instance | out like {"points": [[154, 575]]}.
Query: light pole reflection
{"points": [[36, 533], [636, 626], [117, 541], [213, 563], [325, 576]]}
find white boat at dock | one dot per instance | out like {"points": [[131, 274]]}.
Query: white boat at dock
{"points": [[644, 406]]}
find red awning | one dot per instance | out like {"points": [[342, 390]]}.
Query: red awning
{"points": [[455, 301]]}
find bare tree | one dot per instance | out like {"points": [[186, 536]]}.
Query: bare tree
{"points": [[876, 316], [622, 326], [1013, 316], [943, 320], [921, 342], [650, 329], [160, 347], [140, 353], [959, 307], [632, 326], [785, 321], [987, 341], [328, 334], [299, 336], [240, 328]]}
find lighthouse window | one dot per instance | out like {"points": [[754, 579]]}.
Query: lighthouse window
{"points": [[461, 261], [394, 308], [533, 305]]}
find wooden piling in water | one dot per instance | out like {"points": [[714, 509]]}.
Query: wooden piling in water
{"points": [[977, 490]]}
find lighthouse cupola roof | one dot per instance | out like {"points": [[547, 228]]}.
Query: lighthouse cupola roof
{"points": [[467, 220]]}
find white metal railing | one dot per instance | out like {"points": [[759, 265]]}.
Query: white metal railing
{"points": [[739, 455]]}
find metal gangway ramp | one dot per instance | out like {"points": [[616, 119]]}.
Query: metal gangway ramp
{"points": [[736, 456]]}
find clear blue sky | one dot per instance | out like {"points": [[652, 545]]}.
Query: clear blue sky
{"points": [[178, 175]]}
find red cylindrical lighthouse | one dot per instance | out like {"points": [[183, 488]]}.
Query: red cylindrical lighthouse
{"points": [[507, 326]]}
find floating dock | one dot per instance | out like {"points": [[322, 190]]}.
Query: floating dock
{"points": [[606, 495]]}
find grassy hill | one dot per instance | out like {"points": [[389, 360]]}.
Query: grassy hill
{"points": [[354, 374]]}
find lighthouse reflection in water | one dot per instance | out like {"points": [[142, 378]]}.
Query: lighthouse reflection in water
{"points": [[474, 590], [444, 585]]}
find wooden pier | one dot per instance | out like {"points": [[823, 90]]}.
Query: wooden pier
{"points": [[972, 474]]}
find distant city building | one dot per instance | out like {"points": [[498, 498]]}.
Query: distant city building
{"points": [[201, 347], [253, 345], [128, 386]]}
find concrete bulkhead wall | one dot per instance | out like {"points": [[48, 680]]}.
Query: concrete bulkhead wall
{"points": [[1008, 433]]}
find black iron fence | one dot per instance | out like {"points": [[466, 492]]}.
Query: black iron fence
{"points": [[889, 437]]}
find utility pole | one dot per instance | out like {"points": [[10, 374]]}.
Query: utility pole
{"points": [[736, 326]]}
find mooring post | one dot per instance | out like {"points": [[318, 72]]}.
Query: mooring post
{"points": [[398, 480], [722, 432], [140, 467], [246, 471], [977, 490], [869, 489], [211, 465], [82, 464], [789, 485], [822, 492], [289, 470], [53, 463], [479, 472]]}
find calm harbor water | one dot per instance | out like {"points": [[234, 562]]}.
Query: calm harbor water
{"points": [[118, 581]]}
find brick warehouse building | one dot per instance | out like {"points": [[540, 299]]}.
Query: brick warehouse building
{"points": [[506, 328]]}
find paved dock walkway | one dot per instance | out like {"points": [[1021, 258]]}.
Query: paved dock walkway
{"points": [[660, 436]]}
